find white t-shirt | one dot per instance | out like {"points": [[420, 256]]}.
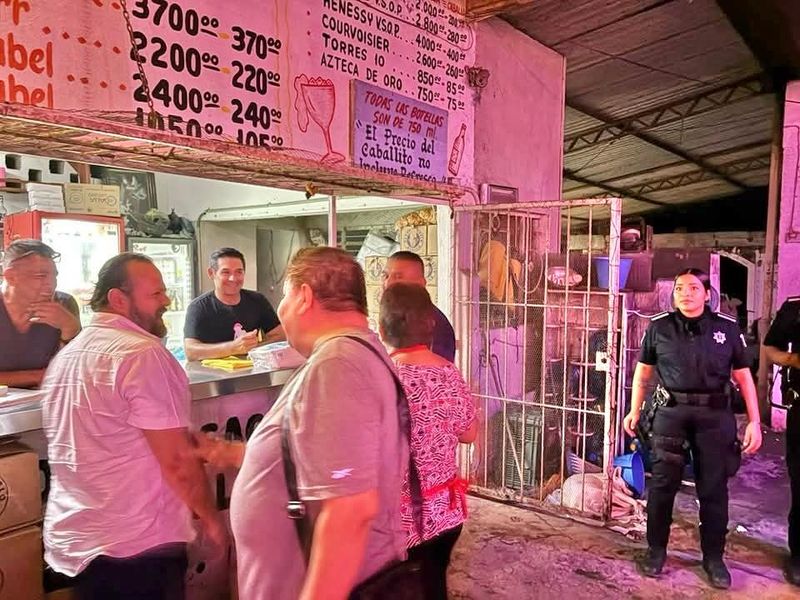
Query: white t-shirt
{"points": [[107, 493]]}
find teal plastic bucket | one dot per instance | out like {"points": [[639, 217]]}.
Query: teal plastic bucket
{"points": [[601, 268], [632, 471]]}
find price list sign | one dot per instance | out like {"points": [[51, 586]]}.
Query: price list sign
{"points": [[208, 77], [419, 48], [275, 74]]}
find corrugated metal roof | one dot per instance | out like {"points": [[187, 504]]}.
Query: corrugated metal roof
{"points": [[628, 57]]}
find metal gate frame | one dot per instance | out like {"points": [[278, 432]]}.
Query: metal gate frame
{"points": [[466, 307]]}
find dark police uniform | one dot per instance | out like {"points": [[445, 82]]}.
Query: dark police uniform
{"points": [[784, 334], [693, 358]]}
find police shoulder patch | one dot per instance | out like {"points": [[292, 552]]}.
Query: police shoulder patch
{"points": [[660, 315], [727, 317]]}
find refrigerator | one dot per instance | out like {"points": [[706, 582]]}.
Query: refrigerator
{"points": [[85, 242], [175, 258]]}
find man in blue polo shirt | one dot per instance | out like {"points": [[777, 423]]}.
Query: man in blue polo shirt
{"points": [[407, 267]]}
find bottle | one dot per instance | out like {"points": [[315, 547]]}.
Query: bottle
{"points": [[458, 151]]}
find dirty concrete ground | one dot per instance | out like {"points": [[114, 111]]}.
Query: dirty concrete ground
{"points": [[511, 552]]}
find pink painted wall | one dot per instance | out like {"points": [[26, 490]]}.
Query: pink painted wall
{"points": [[788, 268], [519, 118]]}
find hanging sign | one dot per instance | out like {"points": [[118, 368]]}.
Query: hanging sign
{"points": [[392, 133]]}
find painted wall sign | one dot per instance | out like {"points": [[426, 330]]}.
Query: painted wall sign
{"points": [[392, 133], [271, 73]]}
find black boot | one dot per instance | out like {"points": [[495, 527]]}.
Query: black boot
{"points": [[718, 575], [791, 570], [651, 563]]}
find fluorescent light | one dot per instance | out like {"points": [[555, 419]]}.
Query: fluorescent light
{"points": [[305, 208]]}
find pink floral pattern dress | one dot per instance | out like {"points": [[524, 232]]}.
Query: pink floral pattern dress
{"points": [[441, 408]]}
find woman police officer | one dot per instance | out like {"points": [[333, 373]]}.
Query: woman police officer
{"points": [[695, 353]]}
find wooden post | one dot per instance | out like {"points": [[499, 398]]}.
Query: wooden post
{"points": [[84, 172], [332, 222], [770, 254]]}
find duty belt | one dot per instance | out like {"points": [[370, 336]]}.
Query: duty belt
{"points": [[713, 399]]}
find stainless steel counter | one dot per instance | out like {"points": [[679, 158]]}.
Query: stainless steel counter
{"points": [[204, 383], [212, 383]]}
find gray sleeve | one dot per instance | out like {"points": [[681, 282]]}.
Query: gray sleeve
{"points": [[337, 437]]}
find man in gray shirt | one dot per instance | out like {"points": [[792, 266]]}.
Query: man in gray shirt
{"points": [[346, 441]]}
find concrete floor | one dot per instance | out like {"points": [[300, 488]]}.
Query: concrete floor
{"points": [[511, 552]]}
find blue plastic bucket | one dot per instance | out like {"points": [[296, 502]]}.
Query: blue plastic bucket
{"points": [[601, 268], [632, 471]]}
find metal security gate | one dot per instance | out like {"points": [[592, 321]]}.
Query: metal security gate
{"points": [[538, 324]]}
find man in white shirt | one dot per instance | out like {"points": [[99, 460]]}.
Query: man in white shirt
{"points": [[116, 416]]}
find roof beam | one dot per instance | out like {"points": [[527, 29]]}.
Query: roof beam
{"points": [[670, 148], [669, 182], [483, 9], [699, 175], [666, 114], [615, 191]]}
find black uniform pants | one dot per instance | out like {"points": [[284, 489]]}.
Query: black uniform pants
{"points": [[711, 434], [793, 466]]}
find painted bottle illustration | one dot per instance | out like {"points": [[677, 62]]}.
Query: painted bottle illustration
{"points": [[454, 164]]}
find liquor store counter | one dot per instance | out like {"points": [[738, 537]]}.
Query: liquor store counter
{"points": [[217, 396]]}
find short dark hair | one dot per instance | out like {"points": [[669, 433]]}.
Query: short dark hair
{"points": [[409, 257], [225, 253], [19, 249], [114, 274], [407, 316], [699, 273]]}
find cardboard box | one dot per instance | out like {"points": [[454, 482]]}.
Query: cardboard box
{"points": [[75, 197], [414, 239], [374, 267], [92, 199], [103, 200], [21, 565], [20, 492], [433, 239]]}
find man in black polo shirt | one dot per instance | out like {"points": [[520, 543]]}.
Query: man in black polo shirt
{"points": [[228, 320], [35, 320]]}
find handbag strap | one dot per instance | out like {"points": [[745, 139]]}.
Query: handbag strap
{"points": [[296, 508]]}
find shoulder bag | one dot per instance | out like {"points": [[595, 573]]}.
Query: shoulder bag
{"points": [[400, 580]]}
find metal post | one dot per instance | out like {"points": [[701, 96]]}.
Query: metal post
{"points": [[770, 252], [332, 226], [609, 422]]}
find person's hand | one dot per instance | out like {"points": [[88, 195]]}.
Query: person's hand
{"points": [[217, 451], [752, 438], [794, 360], [245, 342], [630, 422], [55, 315]]}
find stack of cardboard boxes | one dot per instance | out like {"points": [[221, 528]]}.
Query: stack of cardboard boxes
{"points": [[421, 239], [21, 563]]}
